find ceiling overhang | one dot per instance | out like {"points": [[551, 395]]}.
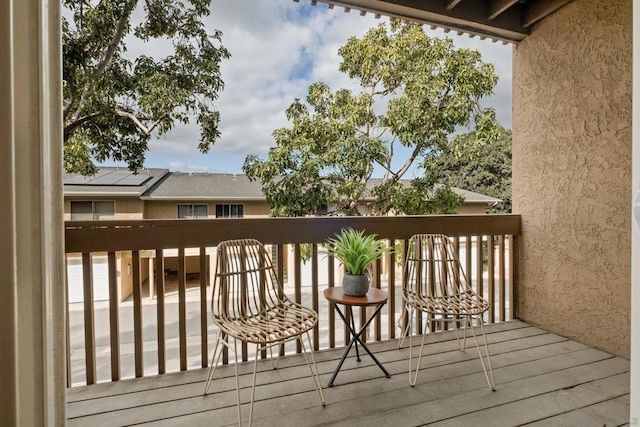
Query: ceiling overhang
{"points": [[505, 20]]}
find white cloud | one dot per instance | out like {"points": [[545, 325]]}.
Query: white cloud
{"points": [[278, 49]]}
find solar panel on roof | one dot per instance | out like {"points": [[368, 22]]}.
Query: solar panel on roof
{"points": [[134, 179], [111, 178], [75, 179], [117, 177]]}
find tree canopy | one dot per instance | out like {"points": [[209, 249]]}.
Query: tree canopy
{"points": [[415, 91], [488, 173], [113, 104]]}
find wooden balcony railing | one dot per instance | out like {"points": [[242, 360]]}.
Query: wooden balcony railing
{"points": [[155, 330]]}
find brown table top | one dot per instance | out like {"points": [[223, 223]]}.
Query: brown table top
{"points": [[373, 297]]}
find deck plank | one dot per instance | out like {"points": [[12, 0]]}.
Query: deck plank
{"points": [[533, 369], [611, 413], [515, 328], [394, 360]]}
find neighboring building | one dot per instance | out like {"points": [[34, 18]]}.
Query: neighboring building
{"points": [[119, 194], [204, 195], [116, 193], [113, 193]]}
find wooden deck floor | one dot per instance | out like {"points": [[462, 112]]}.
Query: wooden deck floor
{"points": [[542, 380]]}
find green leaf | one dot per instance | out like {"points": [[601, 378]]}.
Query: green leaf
{"points": [[113, 106], [416, 91]]}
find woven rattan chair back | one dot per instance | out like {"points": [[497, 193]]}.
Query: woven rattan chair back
{"points": [[435, 285], [245, 286], [249, 305], [434, 280]]}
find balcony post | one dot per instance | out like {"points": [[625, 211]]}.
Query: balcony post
{"points": [[32, 309]]}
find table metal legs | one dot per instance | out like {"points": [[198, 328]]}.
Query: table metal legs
{"points": [[355, 339]]}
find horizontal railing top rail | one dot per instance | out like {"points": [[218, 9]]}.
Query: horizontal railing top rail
{"points": [[114, 235]]}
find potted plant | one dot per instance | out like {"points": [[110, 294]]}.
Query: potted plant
{"points": [[356, 251]]}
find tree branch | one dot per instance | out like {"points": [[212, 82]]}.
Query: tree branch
{"points": [[418, 147], [108, 55], [72, 98], [68, 129], [138, 120], [117, 38]]}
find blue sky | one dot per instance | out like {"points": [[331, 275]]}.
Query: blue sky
{"points": [[278, 48]]}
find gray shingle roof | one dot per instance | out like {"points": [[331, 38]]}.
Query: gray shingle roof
{"points": [[205, 186], [160, 184], [215, 186]]}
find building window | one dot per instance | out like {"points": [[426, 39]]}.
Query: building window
{"points": [[229, 211], [193, 211], [88, 210]]}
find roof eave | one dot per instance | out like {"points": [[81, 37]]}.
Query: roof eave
{"points": [[437, 15], [191, 198]]}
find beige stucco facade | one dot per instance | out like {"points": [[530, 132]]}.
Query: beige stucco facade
{"points": [[126, 208], [472, 209], [134, 208], [572, 172], [167, 209]]}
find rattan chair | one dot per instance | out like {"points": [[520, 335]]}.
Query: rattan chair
{"points": [[248, 304], [434, 284]]}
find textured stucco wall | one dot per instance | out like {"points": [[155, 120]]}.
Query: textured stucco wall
{"points": [[155, 209], [127, 208], [472, 209], [572, 172]]}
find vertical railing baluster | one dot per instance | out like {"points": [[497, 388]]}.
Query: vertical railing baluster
{"points": [[468, 256], [297, 279], [204, 349], [456, 248], [114, 323], [501, 269], [314, 294], [67, 320], [432, 268], [491, 290], [89, 319], [479, 265], [280, 272], [391, 288], [403, 311], [137, 314], [262, 292], [331, 271], [513, 273], [160, 310], [182, 308], [378, 321]]}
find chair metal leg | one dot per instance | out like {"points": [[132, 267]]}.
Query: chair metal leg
{"points": [[414, 378], [235, 353], [315, 375], [467, 324], [488, 375], [217, 353], [275, 361], [253, 386], [405, 316], [214, 361]]}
